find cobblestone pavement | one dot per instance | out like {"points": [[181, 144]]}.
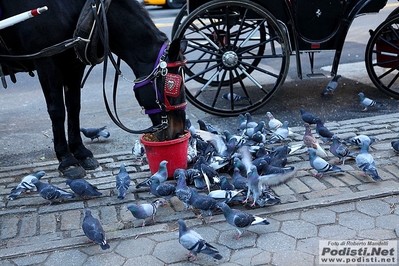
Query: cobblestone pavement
{"points": [[336, 207]]}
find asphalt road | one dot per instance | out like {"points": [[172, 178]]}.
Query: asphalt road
{"points": [[25, 128]]}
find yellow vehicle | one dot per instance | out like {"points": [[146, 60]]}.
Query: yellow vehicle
{"points": [[166, 3]]}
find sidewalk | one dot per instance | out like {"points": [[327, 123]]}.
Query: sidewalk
{"points": [[337, 207]]}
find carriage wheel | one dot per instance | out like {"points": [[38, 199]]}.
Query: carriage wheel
{"points": [[382, 56], [235, 48], [178, 20]]}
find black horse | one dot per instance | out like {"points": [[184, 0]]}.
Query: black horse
{"points": [[131, 35]]}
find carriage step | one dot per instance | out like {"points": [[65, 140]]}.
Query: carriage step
{"points": [[316, 75]]}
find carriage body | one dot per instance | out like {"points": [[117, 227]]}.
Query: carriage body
{"points": [[223, 32]]}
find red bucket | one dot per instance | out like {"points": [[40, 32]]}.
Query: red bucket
{"points": [[174, 151]]}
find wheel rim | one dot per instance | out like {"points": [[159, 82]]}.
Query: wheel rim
{"points": [[235, 47], [382, 57]]}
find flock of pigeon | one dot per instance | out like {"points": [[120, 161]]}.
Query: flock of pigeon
{"points": [[255, 155]]}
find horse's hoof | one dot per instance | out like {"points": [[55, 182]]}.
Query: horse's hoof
{"points": [[89, 163], [72, 172]]}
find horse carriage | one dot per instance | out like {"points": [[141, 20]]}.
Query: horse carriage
{"points": [[239, 51]]}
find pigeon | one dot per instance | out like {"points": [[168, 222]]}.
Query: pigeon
{"points": [[227, 195], [204, 203], [395, 145], [145, 210], [323, 131], [367, 102], [83, 188], [331, 86], [278, 156], [239, 219], [234, 97], [249, 121], [95, 133], [122, 182], [162, 190], [249, 131], [273, 122], [25, 185], [256, 182], [161, 175], [195, 243], [183, 192], [207, 127], [339, 150], [190, 127], [321, 165], [225, 184], [267, 169], [308, 117], [94, 231], [51, 192], [239, 181], [359, 140], [280, 134], [138, 149], [365, 162], [311, 142]]}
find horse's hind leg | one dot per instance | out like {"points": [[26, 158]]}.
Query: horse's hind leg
{"points": [[72, 102]]}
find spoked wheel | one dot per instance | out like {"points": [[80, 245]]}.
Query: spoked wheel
{"points": [[237, 56], [382, 56]]}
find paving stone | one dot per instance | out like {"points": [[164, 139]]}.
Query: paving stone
{"points": [[108, 215], [356, 220], [244, 256], [377, 234], [105, 259], [144, 261], [313, 183], [387, 221], [246, 240], [163, 250], [282, 189], [70, 220], [373, 207], [336, 232], [309, 245], [334, 181], [261, 259], [135, 247], [32, 259], [297, 186], [327, 192], [299, 229], [275, 242], [9, 227], [28, 226], [73, 257], [286, 216], [295, 257], [374, 185], [319, 216]]}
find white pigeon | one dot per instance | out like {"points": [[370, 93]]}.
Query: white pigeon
{"points": [[273, 123], [138, 149]]}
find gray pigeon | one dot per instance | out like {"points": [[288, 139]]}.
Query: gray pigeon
{"points": [[360, 139], [145, 210], [225, 183], [94, 231], [51, 192], [280, 134], [395, 145], [367, 102], [321, 165], [122, 182], [25, 185], [83, 188], [164, 190], [239, 219], [161, 175], [256, 183], [95, 133], [365, 161], [204, 203], [234, 97], [195, 243], [308, 117], [339, 150], [239, 181], [323, 131], [331, 86], [183, 192]]}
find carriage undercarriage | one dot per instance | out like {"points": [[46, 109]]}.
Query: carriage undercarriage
{"points": [[239, 51]]}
